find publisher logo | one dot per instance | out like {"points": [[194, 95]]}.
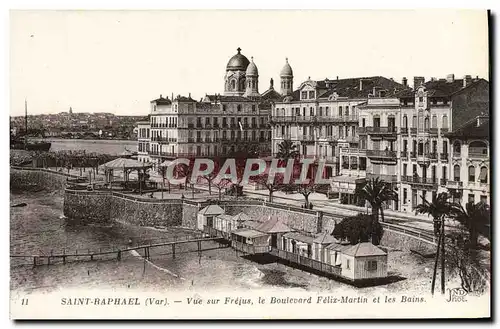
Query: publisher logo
{"points": [[456, 295]]}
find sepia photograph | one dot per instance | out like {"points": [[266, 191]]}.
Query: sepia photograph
{"points": [[250, 164]]}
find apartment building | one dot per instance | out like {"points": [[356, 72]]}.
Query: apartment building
{"points": [[405, 136], [322, 119]]}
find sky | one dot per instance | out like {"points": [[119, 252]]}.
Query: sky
{"points": [[118, 61]]}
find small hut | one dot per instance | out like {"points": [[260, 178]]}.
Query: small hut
{"points": [[250, 241], [299, 243], [364, 261], [323, 240], [206, 216], [275, 228]]}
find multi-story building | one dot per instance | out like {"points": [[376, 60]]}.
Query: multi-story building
{"points": [[469, 174], [217, 125], [143, 141], [404, 135]]}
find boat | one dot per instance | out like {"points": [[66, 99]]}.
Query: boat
{"points": [[22, 143]]}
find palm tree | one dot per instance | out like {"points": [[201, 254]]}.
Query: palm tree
{"points": [[438, 209], [287, 150], [476, 218], [377, 193]]}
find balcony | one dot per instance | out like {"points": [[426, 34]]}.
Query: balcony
{"points": [[413, 155], [382, 131], [443, 131], [444, 157], [404, 131], [433, 156], [423, 182], [478, 155], [413, 131], [190, 125], [455, 184], [443, 182], [423, 158], [362, 130], [327, 158], [404, 155], [216, 126], [433, 131], [306, 139], [385, 154], [384, 177], [457, 155]]}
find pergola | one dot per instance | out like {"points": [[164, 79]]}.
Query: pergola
{"points": [[127, 166]]}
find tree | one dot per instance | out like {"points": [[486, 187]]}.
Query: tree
{"points": [[475, 218], [287, 150], [377, 193], [221, 184], [359, 228], [210, 177], [306, 190], [438, 209], [275, 185]]}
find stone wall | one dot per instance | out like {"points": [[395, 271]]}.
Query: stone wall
{"points": [[87, 206], [145, 212], [29, 177], [189, 214], [402, 241]]}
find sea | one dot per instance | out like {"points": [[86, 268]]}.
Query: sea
{"points": [[112, 147]]}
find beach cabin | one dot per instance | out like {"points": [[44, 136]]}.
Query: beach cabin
{"points": [[250, 241], [333, 253], [225, 224], [275, 228], [207, 215], [364, 261], [322, 241], [298, 243]]}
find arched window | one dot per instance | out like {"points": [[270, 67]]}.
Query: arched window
{"points": [[483, 175], [426, 123], [405, 121], [347, 110], [445, 122], [456, 148], [434, 123], [233, 84], [456, 173], [414, 122], [472, 174]]}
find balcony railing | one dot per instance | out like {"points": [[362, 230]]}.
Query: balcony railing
{"points": [[381, 154], [384, 177], [190, 125], [455, 184], [480, 155], [443, 181], [444, 156], [381, 130], [433, 156], [404, 154], [443, 131], [457, 155], [413, 131], [404, 131], [433, 131], [413, 155], [306, 138], [420, 180]]}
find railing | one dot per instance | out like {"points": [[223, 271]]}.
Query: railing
{"points": [[404, 130], [384, 177], [413, 131], [433, 156], [381, 130], [408, 231], [455, 184], [433, 131], [190, 125], [413, 155], [480, 155], [456, 154], [404, 154], [306, 261], [443, 182], [443, 131], [249, 248], [381, 154], [444, 156], [306, 138]]}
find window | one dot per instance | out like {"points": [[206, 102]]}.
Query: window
{"points": [[233, 84], [405, 121], [304, 95], [405, 169], [154, 108], [456, 148], [405, 195], [340, 111], [348, 264], [311, 94], [445, 147], [363, 122], [445, 122], [371, 265], [239, 107], [426, 123], [445, 178], [472, 174], [421, 99], [434, 121], [224, 107], [414, 122], [471, 198], [253, 108], [484, 199], [456, 173], [347, 110]]}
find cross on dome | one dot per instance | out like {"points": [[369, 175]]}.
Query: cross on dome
{"points": [[239, 50]]}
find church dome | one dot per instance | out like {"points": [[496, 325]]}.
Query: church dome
{"points": [[252, 69], [286, 71], [238, 62]]}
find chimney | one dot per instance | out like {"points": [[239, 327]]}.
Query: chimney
{"points": [[417, 81], [189, 95], [450, 78], [360, 84], [160, 96], [467, 80], [405, 82], [337, 78]]}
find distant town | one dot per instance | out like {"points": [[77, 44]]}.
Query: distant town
{"points": [[75, 125]]}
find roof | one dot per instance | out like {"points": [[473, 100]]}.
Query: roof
{"points": [[351, 87], [252, 69], [338, 246], [126, 163], [238, 62], [181, 99], [325, 238], [212, 209], [272, 95], [478, 127], [252, 223], [241, 217], [162, 101], [273, 225], [286, 71], [225, 216], [227, 99], [248, 233], [299, 237], [364, 249]]}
